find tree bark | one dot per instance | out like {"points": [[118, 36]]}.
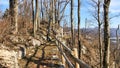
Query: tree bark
{"points": [[72, 24], [106, 56], [79, 36], [33, 13], [13, 15], [58, 13], [36, 18], [116, 51], [42, 9], [99, 32], [55, 15], [50, 20], [53, 12]]}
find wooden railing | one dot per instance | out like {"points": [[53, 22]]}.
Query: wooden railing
{"points": [[80, 62]]}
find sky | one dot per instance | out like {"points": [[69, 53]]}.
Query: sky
{"points": [[85, 13]]}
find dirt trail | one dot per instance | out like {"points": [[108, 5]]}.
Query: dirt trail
{"points": [[45, 56]]}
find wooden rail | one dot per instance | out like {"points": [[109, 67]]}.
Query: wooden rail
{"points": [[80, 62], [64, 55]]}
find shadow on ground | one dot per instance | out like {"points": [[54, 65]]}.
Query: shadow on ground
{"points": [[39, 62]]}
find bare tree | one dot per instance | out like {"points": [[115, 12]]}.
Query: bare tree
{"points": [[72, 24], [53, 12], [13, 15], [33, 12], [56, 9], [36, 18], [55, 4], [106, 55], [116, 51], [42, 9], [50, 15], [61, 14], [58, 13], [97, 6], [99, 32], [79, 34], [59, 10], [117, 36]]}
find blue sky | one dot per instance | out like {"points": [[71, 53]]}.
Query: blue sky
{"points": [[114, 9]]}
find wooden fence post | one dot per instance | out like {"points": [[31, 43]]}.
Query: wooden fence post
{"points": [[76, 55], [63, 61]]}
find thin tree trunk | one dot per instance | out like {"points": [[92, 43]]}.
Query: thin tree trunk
{"points": [[33, 13], [117, 46], [85, 30], [55, 4], [42, 9], [99, 29], [100, 45], [48, 27], [117, 36], [53, 18], [79, 33], [36, 18], [25, 16], [106, 56], [58, 12], [72, 24], [49, 22], [13, 14]]}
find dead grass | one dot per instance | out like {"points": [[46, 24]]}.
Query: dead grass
{"points": [[4, 26]]}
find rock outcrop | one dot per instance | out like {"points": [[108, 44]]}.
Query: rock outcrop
{"points": [[8, 58]]}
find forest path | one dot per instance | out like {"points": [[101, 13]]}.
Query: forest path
{"points": [[44, 56]]}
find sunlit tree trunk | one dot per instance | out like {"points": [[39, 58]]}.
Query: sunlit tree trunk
{"points": [[99, 32], [13, 15], [116, 51], [106, 56], [36, 18], [42, 9]]}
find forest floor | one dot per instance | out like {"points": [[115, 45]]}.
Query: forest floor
{"points": [[44, 56]]}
